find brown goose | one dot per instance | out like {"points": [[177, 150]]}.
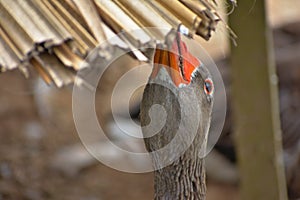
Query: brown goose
{"points": [[183, 88]]}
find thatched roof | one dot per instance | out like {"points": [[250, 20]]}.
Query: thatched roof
{"points": [[54, 37]]}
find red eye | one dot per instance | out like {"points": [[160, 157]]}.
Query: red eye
{"points": [[208, 86]]}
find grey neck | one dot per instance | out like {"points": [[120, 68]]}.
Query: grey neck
{"points": [[184, 179]]}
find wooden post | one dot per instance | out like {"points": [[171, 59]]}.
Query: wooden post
{"points": [[255, 105]]}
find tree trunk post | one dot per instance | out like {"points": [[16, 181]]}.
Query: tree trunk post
{"points": [[255, 105]]}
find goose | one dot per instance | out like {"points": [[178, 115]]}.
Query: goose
{"points": [[183, 89]]}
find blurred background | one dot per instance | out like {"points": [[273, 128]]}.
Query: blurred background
{"points": [[41, 156]]}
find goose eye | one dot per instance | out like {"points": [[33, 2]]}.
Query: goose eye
{"points": [[208, 86]]}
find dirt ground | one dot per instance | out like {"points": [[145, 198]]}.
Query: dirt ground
{"points": [[27, 146]]}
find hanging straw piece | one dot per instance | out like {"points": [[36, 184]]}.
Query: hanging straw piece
{"points": [[119, 21], [91, 17], [88, 11]]}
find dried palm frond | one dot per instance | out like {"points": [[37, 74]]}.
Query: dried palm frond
{"points": [[55, 37]]}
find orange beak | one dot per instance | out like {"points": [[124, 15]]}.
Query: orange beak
{"points": [[178, 61]]}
